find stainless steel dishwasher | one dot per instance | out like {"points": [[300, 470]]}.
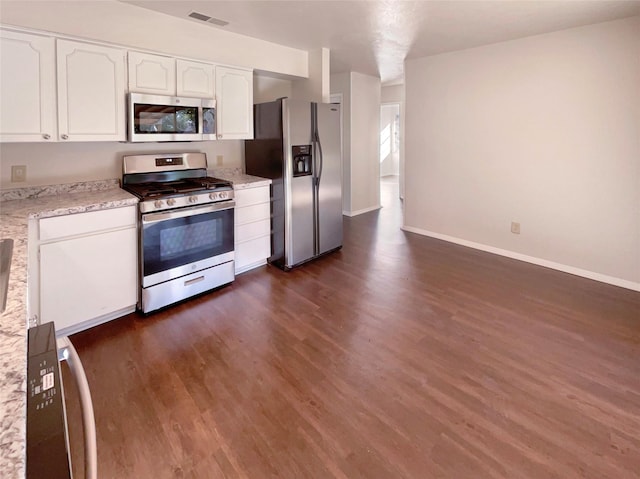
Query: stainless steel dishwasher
{"points": [[47, 434]]}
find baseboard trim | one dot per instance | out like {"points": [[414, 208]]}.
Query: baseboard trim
{"points": [[603, 278], [359, 212], [76, 328]]}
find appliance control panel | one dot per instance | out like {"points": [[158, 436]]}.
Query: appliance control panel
{"points": [[180, 201], [47, 454]]}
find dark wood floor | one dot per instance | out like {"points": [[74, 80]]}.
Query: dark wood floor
{"points": [[400, 356]]}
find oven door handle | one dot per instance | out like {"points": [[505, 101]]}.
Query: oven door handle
{"points": [[181, 213]]}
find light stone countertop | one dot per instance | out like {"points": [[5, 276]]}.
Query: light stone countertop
{"points": [[239, 179], [16, 208]]}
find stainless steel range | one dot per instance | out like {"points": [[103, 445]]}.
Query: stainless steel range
{"points": [[186, 227]]}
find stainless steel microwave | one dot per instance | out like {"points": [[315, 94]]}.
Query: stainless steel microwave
{"points": [[171, 118]]}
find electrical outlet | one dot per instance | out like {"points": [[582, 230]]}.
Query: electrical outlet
{"points": [[18, 173], [219, 159], [515, 228]]}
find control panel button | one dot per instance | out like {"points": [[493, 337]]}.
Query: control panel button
{"points": [[171, 201], [193, 199], [213, 196], [157, 203]]}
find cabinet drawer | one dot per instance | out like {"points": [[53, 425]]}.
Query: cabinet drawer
{"points": [[86, 223], [251, 252], [249, 214], [252, 196], [253, 230]]}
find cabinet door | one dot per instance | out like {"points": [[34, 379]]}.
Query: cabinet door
{"points": [[87, 277], [152, 74], [234, 92], [27, 96], [91, 92], [194, 79]]}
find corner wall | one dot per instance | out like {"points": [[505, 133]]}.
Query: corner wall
{"points": [[341, 83], [361, 141], [544, 131], [316, 87], [267, 89]]}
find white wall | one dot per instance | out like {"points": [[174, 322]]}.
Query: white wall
{"points": [[341, 83], [316, 87], [55, 163], [391, 94], [395, 94], [365, 143], [133, 26], [361, 143], [267, 89], [544, 131], [390, 164]]}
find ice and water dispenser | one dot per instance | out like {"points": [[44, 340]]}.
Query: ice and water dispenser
{"points": [[301, 157]]}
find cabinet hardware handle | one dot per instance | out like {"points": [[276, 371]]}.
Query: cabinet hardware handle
{"points": [[194, 280], [64, 137], [46, 136]]}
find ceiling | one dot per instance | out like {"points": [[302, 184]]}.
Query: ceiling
{"points": [[374, 37]]}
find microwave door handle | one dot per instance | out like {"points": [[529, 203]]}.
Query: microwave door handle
{"points": [[68, 352], [169, 215]]}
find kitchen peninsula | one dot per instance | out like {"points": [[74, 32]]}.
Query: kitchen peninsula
{"points": [[17, 207]]}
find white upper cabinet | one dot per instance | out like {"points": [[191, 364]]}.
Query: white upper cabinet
{"points": [[159, 75], [28, 95], [195, 79], [91, 92], [234, 92], [152, 74]]}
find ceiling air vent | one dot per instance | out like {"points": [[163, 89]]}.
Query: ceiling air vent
{"points": [[207, 18]]}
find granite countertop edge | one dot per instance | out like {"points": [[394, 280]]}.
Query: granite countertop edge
{"points": [[17, 207], [239, 179]]}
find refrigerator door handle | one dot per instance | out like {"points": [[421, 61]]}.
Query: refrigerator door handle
{"points": [[320, 158]]}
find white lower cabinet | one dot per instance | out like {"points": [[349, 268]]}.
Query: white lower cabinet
{"points": [[252, 227], [87, 268]]}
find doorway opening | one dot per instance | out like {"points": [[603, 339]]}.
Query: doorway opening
{"points": [[389, 153]]}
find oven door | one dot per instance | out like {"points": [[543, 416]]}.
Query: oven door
{"points": [[179, 242]]}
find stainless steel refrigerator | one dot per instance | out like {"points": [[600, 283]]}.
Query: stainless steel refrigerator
{"points": [[298, 144]]}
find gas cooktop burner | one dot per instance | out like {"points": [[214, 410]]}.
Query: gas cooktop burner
{"points": [[183, 183], [189, 185]]}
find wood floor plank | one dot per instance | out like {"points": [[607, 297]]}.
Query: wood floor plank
{"points": [[399, 356]]}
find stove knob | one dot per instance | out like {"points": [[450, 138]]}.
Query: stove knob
{"points": [[157, 203], [213, 196], [193, 199], [171, 201], [223, 194]]}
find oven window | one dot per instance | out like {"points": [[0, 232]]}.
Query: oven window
{"points": [[176, 242], [159, 119]]}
